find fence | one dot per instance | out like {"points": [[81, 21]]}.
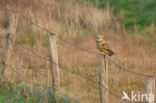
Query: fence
{"points": [[105, 91]]}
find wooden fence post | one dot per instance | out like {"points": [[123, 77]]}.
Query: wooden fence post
{"points": [[11, 35], [150, 89], [103, 78], [54, 61]]}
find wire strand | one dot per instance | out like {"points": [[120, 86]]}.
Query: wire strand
{"points": [[34, 53], [76, 46], [122, 68]]}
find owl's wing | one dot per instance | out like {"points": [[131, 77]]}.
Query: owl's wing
{"points": [[106, 49], [105, 45]]}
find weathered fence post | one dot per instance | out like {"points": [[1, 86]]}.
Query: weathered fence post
{"points": [[103, 78], [54, 61], [150, 89], [11, 35]]}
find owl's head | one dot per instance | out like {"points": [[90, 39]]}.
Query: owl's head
{"points": [[99, 38]]}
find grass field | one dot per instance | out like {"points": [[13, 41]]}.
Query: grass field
{"points": [[78, 22]]}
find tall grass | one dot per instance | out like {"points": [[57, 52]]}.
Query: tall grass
{"points": [[54, 12]]}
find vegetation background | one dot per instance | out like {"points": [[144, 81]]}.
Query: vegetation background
{"points": [[129, 26]]}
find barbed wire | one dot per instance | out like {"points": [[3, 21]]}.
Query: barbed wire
{"points": [[122, 68], [76, 46], [34, 53]]}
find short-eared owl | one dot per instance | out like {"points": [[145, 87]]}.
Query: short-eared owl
{"points": [[103, 46]]}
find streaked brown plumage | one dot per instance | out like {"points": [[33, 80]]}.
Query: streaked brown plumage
{"points": [[103, 46]]}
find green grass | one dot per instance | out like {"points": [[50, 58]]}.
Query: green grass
{"points": [[17, 95], [30, 35], [6, 96], [141, 13]]}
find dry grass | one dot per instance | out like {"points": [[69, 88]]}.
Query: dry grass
{"points": [[78, 23]]}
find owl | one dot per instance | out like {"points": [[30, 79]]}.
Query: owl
{"points": [[103, 46]]}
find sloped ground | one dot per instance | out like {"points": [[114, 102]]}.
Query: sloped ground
{"points": [[78, 24]]}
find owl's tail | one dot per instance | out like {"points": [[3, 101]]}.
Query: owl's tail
{"points": [[111, 53]]}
